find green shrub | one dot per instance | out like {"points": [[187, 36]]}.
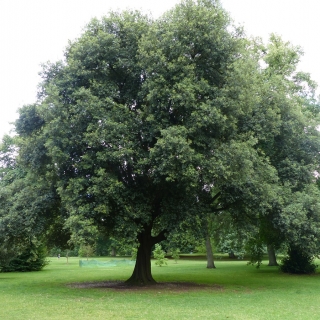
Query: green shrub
{"points": [[297, 262], [175, 255], [86, 251], [32, 259], [159, 255]]}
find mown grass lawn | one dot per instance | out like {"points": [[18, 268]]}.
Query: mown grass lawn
{"points": [[234, 291]]}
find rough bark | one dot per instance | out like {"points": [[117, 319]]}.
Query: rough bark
{"points": [[272, 256], [210, 261], [142, 271], [142, 275]]}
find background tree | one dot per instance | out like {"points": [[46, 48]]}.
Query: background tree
{"points": [[30, 211], [29, 204], [159, 255], [293, 149], [86, 251]]}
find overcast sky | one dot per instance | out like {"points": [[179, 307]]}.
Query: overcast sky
{"points": [[36, 31]]}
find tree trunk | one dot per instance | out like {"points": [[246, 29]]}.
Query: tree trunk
{"points": [[113, 251], [142, 271], [210, 261], [272, 256]]}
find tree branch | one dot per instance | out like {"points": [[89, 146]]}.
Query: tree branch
{"points": [[160, 237]]}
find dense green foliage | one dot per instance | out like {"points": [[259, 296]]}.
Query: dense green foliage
{"points": [[298, 262], [159, 255], [33, 258], [175, 254], [30, 208]]}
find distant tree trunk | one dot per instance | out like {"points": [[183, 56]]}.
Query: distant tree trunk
{"points": [[113, 252], [210, 261], [272, 256], [67, 256], [232, 255]]}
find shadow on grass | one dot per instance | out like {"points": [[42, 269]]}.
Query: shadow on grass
{"points": [[166, 286]]}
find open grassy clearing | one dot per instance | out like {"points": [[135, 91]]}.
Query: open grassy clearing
{"points": [[234, 291]]}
